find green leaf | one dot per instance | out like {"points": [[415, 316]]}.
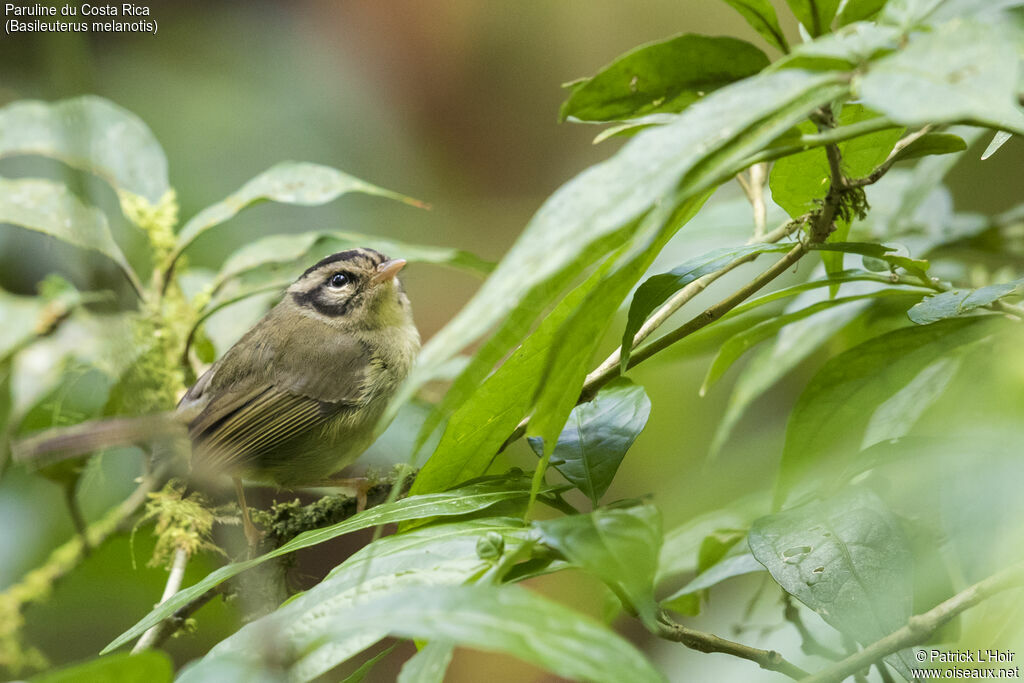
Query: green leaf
{"points": [[506, 619], [792, 345], [619, 545], [429, 664], [568, 361], [947, 76], [289, 182], [849, 48], [740, 343], [599, 433], [658, 289], [960, 302], [92, 134], [815, 15], [579, 223], [932, 144], [664, 76], [50, 208], [829, 419], [761, 16], [799, 181], [298, 250], [359, 674], [680, 550], [998, 140], [734, 565], [847, 559], [466, 500], [478, 428], [436, 555], [151, 666], [859, 10]]}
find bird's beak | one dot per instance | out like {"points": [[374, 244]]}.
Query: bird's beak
{"points": [[388, 270]]}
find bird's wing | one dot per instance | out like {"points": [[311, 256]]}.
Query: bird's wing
{"points": [[271, 398]]}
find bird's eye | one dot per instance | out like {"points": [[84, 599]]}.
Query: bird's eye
{"points": [[338, 280]]}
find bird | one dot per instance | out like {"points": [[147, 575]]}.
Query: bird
{"points": [[297, 398]]}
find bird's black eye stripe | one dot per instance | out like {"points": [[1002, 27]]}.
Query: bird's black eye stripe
{"points": [[339, 280]]}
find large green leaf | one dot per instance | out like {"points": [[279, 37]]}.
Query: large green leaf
{"points": [[827, 424], [960, 302], [289, 182], [947, 76], [478, 428], [597, 436], [578, 223], [92, 134], [569, 358], [298, 250], [846, 558], [50, 208], [761, 16], [665, 76], [437, 555], [618, 545], [738, 344], [815, 15], [469, 499], [506, 619]]}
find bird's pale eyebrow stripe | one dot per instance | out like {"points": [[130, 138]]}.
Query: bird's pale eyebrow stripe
{"points": [[371, 255]]}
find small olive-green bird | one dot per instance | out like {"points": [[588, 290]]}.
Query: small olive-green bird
{"points": [[298, 397]]}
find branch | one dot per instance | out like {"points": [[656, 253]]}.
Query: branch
{"points": [[707, 642], [174, 579], [921, 627], [884, 167], [684, 295]]}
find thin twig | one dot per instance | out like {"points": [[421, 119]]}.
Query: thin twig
{"points": [[707, 642], [921, 627], [684, 295], [753, 187], [174, 580], [893, 157]]}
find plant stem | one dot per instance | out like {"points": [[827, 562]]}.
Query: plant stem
{"points": [[707, 642], [684, 295], [920, 627], [174, 580]]}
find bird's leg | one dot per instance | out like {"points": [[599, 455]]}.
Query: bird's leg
{"points": [[252, 534], [361, 485]]}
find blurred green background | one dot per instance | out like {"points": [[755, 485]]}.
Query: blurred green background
{"points": [[454, 103]]}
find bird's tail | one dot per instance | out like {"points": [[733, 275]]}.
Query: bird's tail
{"points": [[63, 443]]}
